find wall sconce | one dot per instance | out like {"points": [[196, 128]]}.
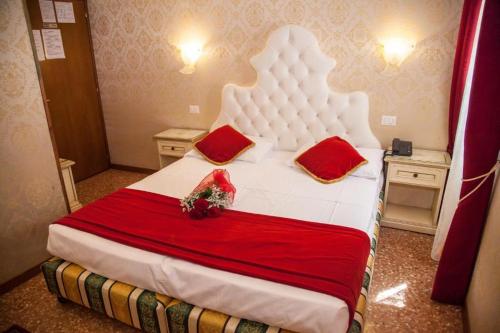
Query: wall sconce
{"points": [[396, 50], [190, 53]]}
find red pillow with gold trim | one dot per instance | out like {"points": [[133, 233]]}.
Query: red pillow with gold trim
{"points": [[330, 160], [223, 145]]}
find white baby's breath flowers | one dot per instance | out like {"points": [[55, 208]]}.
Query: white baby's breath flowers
{"points": [[213, 194]]}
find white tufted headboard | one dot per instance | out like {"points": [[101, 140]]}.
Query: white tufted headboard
{"points": [[291, 102]]}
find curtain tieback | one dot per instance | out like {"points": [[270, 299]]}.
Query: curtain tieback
{"points": [[484, 177]]}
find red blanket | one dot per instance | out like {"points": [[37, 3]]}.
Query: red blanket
{"points": [[325, 258]]}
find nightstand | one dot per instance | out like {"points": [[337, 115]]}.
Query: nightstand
{"points": [[414, 190], [175, 142]]}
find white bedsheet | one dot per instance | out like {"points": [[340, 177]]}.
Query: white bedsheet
{"points": [[269, 187]]}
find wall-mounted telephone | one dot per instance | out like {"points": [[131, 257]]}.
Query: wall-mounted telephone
{"points": [[400, 147]]}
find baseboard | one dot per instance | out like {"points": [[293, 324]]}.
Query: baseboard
{"points": [[16, 281], [132, 169]]}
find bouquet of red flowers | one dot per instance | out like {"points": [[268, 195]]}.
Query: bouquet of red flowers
{"points": [[210, 197]]}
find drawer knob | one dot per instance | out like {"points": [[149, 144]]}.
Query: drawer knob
{"points": [[415, 175], [171, 148]]}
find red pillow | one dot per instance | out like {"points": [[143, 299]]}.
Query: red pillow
{"points": [[330, 160], [223, 145]]}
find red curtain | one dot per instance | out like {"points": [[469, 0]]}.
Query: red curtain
{"points": [[482, 143], [468, 24]]}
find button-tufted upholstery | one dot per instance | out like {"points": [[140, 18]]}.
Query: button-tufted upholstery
{"points": [[291, 102]]}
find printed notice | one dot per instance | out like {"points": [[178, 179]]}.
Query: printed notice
{"points": [[52, 40], [64, 11], [38, 45], [47, 11]]}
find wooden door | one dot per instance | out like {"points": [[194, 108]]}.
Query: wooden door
{"points": [[72, 94]]}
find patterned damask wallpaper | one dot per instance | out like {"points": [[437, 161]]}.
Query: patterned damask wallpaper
{"points": [[144, 93], [31, 195]]}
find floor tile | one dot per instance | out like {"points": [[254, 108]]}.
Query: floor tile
{"points": [[399, 298]]}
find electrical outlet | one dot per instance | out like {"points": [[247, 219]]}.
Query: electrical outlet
{"points": [[194, 109], [389, 120]]}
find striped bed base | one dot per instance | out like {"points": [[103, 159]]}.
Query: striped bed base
{"points": [[154, 312]]}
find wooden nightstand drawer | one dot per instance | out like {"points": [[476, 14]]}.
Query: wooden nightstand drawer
{"points": [[173, 148], [416, 175], [176, 142]]}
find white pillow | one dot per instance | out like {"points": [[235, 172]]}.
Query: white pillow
{"points": [[291, 161], [370, 170], [253, 155], [257, 152]]}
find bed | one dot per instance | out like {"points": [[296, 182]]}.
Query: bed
{"points": [[290, 105]]}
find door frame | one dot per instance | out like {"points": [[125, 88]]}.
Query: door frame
{"points": [[44, 97], [45, 106]]}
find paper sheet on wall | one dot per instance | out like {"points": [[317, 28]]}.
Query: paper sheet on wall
{"points": [[47, 11], [52, 40], [64, 11], [38, 45]]}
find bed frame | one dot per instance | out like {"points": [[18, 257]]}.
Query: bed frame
{"points": [[290, 104], [154, 312]]}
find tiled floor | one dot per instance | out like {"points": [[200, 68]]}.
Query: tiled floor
{"points": [[398, 301], [399, 298], [104, 183]]}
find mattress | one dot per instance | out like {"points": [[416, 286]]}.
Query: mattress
{"points": [[268, 187]]}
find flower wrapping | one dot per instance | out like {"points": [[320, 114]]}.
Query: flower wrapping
{"points": [[212, 195]]}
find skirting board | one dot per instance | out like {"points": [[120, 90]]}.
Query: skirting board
{"points": [[21, 278], [132, 169]]}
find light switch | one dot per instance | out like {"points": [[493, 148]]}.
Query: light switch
{"points": [[194, 109], [389, 120]]}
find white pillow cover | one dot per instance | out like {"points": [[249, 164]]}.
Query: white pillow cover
{"points": [[262, 147]]}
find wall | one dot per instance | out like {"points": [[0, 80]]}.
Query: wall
{"points": [[144, 93], [483, 298], [31, 196]]}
